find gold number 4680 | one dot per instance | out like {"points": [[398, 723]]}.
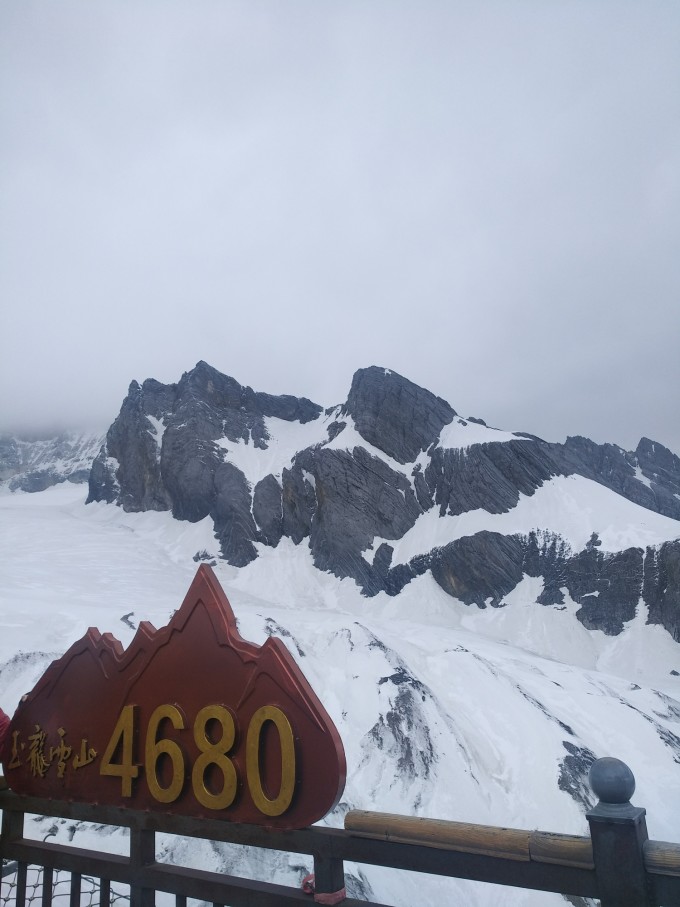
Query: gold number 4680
{"points": [[213, 756]]}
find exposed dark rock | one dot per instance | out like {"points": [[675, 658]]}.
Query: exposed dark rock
{"points": [[661, 586], [487, 476], [593, 542], [480, 568], [383, 560], [239, 411], [573, 777], [483, 568], [103, 484], [424, 494], [607, 586], [548, 714], [358, 498], [234, 524], [298, 499], [545, 554], [662, 467], [395, 415], [273, 628], [267, 510], [131, 442], [335, 428], [203, 556], [403, 732], [189, 462]]}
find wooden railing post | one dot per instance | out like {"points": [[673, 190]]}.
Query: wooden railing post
{"points": [[329, 880], [618, 831], [13, 830], [142, 853]]}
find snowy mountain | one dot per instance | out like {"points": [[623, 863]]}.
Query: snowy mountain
{"points": [[34, 463], [393, 484], [481, 613]]}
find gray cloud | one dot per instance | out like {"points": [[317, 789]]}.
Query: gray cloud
{"points": [[482, 196]]}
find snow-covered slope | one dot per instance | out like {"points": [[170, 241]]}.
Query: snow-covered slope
{"points": [[484, 715], [571, 507]]}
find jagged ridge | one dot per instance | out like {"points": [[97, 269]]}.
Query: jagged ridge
{"points": [[353, 480]]}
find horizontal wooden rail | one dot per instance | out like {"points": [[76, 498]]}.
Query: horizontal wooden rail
{"points": [[463, 837], [662, 858]]}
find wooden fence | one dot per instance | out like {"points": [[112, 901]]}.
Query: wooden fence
{"points": [[616, 864]]}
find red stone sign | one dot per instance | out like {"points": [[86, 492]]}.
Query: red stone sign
{"points": [[190, 719]]}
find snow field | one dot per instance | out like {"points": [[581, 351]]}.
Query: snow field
{"points": [[444, 710]]}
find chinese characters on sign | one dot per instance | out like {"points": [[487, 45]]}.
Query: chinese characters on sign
{"points": [[40, 758]]}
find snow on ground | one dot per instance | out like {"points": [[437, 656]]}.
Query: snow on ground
{"points": [[478, 728], [571, 506], [461, 433], [285, 440]]}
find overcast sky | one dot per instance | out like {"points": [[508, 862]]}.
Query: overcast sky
{"points": [[484, 197]]}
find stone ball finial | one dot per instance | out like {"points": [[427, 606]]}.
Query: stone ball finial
{"points": [[611, 780]]}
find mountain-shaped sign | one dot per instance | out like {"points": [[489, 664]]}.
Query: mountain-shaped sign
{"points": [[190, 718]]}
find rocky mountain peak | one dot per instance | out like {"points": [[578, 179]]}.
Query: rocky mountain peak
{"points": [[394, 414], [211, 386], [408, 488], [659, 461]]}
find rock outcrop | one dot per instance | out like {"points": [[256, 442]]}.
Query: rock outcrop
{"points": [[395, 415], [167, 451]]}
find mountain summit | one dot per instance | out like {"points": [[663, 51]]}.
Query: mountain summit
{"points": [[394, 483]]}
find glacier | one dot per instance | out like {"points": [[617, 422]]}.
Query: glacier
{"points": [[486, 715]]}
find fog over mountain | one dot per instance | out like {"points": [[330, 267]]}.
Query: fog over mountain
{"points": [[483, 196]]}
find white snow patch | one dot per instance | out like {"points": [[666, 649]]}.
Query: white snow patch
{"points": [[112, 466], [157, 431], [285, 440], [571, 506], [461, 433], [642, 478]]}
